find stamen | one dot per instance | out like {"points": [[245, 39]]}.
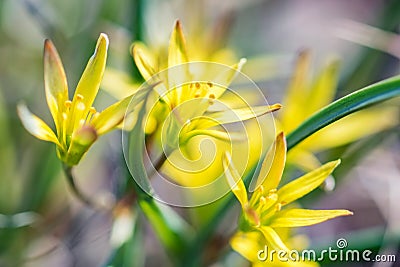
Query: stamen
{"points": [[64, 129], [95, 115], [80, 106], [91, 113], [263, 201], [272, 196], [79, 97], [211, 98], [210, 84], [261, 188], [68, 104], [197, 85], [278, 207]]}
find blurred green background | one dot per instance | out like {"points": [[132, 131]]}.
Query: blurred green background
{"points": [[41, 224]]}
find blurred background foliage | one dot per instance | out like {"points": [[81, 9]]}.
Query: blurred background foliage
{"points": [[42, 224]]}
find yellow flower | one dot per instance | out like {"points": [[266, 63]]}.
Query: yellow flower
{"points": [[305, 97], [249, 245], [267, 210], [77, 123], [179, 94]]}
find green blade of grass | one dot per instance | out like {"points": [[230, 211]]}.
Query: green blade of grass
{"points": [[170, 228], [344, 106]]}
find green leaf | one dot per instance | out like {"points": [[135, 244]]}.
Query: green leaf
{"points": [[171, 229], [344, 106]]}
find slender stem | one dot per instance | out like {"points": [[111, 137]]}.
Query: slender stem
{"points": [[79, 194], [160, 161], [157, 165]]}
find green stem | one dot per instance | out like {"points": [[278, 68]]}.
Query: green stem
{"points": [[79, 194], [172, 230]]}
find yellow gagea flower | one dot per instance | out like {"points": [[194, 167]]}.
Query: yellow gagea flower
{"points": [[177, 89], [305, 97], [77, 123], [267, 211], [190, 108]]}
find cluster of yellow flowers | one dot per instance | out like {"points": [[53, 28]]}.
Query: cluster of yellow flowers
{"points": [[269, 212]]}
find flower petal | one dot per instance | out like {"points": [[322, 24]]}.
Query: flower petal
{"points": [[235, 115], [305, 184], [224, 79], [220, 135], [234, 180], [273, 164], [177, 55], [55, 83], [347, 130], [118, 84], [143, 60], [247, 244], [323, 90], [89, 83], [304, 217], [296, 96], [36, 126], [177, 47], [112, 116], [272, 238]]}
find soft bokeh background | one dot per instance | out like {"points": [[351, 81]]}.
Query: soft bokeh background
{"points": [[41, 224]]}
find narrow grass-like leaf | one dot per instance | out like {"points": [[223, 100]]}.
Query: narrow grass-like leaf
{"points": [[344, 106]]}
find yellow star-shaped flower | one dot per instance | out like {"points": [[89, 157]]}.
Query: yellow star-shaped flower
{"points": [[267, 209], [77, 123]]}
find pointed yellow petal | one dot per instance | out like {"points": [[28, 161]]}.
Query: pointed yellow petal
{"points": [[273, 164], [247, 244], [89, 83], [55, 83], [304, 217], [112, 116], [347, 129], [303, 159], [296, 96], [143, 60], [305, 184], [225, 78], [272, 238], [236, 115], [220, 135], [234, 180], [36, 126], [323, 91], [177, 46], [118, 84]]}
